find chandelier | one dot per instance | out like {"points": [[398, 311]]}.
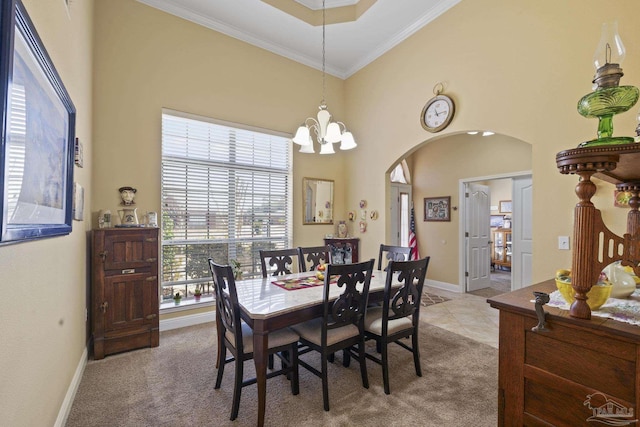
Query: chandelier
{"points": [[327, 132]]}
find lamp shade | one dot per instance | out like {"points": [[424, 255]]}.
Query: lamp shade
{"points": [[308, 147], [326, 148], [610, 49], [302, 136], [333, 133], [347, 141]]}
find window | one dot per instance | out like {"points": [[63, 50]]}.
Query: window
{"points": [[226, 194]]}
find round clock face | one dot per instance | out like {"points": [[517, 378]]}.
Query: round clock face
{"points": [[437, 113]]}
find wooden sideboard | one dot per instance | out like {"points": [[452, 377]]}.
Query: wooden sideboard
{"points": [[124, 289], [343, 250], [572, 371]]}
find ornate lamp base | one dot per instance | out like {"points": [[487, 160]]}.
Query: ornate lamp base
{"points": [[618, 140]]}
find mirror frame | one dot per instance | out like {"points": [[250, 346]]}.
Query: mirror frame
{"points": [[305, 180]]}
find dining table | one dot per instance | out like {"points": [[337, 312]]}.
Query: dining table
{"points": [[266, 306]]}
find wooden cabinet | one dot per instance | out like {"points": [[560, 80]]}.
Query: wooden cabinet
{"points": [[343, 251], [595, 246], [124, 289], [577, 372], [501, 247]]}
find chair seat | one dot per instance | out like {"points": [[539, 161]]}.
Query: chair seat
{"points": [[312, 332], [373, 322], [276, 338]]}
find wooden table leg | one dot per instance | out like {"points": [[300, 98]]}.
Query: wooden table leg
{"points": [[260, 356]]}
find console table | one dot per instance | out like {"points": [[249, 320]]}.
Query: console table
{"points": [[573, 373]]}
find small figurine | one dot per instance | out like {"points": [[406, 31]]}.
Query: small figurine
{"points": [[127, 194]]}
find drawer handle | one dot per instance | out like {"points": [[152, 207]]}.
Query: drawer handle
{"points": [[151, 316], [152, 259], [129, 271], [151, 239], [150, 278]]}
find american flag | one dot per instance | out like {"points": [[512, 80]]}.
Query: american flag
{"points": [[413, 240]]}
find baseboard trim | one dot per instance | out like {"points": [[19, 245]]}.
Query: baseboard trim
{"points": [[65, 408], [444, 286], [189, 320]]}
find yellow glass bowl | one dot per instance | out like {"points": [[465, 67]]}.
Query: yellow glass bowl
{"points": [[598, 295]]}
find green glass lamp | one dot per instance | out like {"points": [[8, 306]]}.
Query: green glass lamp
{"points": [[608, 98]]}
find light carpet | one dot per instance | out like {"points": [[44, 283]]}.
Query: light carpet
{"points": [[172, 385]]}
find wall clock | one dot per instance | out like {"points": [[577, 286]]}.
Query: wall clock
{"points": [[438, 111]]}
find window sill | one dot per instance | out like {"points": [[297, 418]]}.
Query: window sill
{"points": [[186, 304]]}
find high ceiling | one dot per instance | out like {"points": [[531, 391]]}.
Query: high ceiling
{"points": [[357, 31]]}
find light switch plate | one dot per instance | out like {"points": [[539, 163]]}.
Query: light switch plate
{"points": [[563, 242]]}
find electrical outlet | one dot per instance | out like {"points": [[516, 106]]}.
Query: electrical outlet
{"points": [[563, 242]]}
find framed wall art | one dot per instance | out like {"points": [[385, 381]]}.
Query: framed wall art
{"points": [[437, 208], [505, 206], [38, 134]]}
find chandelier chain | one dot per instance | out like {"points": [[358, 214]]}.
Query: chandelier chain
{"points": [[323, 54]]}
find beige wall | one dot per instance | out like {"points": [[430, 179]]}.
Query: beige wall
{"points": [[516, 68], [146, 60], [437, 169], [42, 320], [500, 189]]}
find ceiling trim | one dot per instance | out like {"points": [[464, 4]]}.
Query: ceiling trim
{"points": [[402, 35], [169, 7]]}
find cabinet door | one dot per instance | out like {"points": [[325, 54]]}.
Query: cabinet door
{"points": [[131, 301], [130, 249]]}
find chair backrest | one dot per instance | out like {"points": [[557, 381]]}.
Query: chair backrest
{"points": [[227, 300], [315, 255], [406, 300], [393, 253], [282, 259], [350, 306]]}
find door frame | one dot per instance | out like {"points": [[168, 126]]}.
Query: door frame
{"points": [[462, 245]]}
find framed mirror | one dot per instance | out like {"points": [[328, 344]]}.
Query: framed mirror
{"points": [[317, 197]]}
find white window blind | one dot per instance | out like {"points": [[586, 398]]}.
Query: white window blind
{"points": [[226, 193]]}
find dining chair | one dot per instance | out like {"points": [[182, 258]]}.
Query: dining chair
{"points": [[393, 253], [238, 338], [399, 315], [342, 323], [315, 255], [282, 259]]}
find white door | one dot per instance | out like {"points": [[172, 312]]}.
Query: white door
{"points": [[522, 235], [478, 237]]}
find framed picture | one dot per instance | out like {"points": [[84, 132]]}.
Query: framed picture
{"points": [[496, 220], [437, 208], [505, 206], [37, 145]]}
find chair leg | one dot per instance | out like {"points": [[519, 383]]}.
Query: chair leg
{"points": [[385, 367], [331, 357], [416, 352], [270, 363], [346, 358], [363, 363], [293, 354], [325, 382], [237, 388], [222, 359]]}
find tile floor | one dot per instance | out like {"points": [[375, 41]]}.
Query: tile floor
{"points": [[465, 314]]}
